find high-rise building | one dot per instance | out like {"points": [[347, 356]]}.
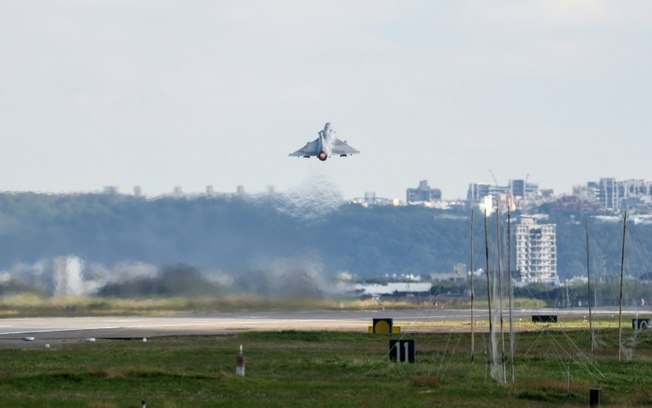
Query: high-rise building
{"points": [[614, 195], [517, 188], [608, 193], [536, 251], [477, 192], [633, 188], [423, 194]]}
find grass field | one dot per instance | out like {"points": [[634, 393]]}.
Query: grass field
{"points": [[31, 304], [326, 369], [34, 305]]}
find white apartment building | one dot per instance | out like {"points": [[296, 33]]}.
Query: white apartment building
{"points": [[536, 251]]}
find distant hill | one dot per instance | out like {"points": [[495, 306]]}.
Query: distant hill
{"points": [[237, 235]]}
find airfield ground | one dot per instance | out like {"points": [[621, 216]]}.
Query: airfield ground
{"points": [[317, 358], [325, 369]]}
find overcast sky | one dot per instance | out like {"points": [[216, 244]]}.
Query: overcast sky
{"points": [[194, 93]]}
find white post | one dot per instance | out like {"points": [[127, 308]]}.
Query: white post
{"points": [[240, 364]]}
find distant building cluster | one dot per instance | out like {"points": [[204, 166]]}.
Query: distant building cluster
{"points": [[423, 194], [370, 199], [611, 194], [516, 194], [606, 194]]}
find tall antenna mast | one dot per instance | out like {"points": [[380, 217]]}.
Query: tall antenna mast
{"points": [[620, 296], [588, 278], [472, 293], [486, 254], [499, 250], [511, 295]]}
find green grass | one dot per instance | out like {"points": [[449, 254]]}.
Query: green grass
{"points": [[35, 305], [324, 369]]}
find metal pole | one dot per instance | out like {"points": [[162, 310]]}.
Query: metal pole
{"points": [[500, 295], [588, 277], [620, 296], [511, 296], [472, 293], [486, 253]]}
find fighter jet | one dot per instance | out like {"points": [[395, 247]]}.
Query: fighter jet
{"points": [[325, 146]]}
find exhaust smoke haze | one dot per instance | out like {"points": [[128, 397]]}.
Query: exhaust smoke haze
{"points": [[275, 261], [279, 278], [315, 197], [283, 278], [70, 275]]}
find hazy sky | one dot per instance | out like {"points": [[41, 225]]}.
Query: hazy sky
{"points": [[191, 93]]}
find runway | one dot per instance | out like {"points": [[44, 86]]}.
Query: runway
{"points": [[58, 330]]}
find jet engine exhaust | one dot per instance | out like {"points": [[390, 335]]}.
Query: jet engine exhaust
{"points": [[322, 156]]}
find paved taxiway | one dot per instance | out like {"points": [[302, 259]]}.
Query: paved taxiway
{"points": [[56, 330]]}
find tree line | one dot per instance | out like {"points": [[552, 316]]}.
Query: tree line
{"points": [[241, 233]]}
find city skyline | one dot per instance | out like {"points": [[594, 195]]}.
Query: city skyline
{"points": [[605, 190], [103, 93]]}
